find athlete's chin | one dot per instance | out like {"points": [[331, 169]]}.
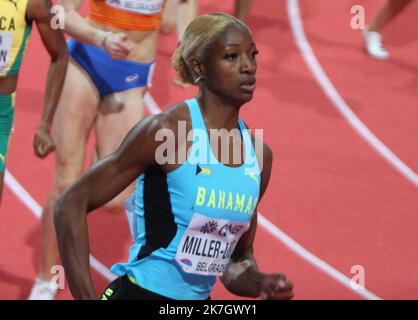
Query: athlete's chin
{"points": [[247, 97], [241, 98]]}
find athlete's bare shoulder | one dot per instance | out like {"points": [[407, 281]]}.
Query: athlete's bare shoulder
{"points": [[173, 115], [179, 111]]}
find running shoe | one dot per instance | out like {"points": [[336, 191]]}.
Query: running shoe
{"points": [[43, 290], [373, 42]]}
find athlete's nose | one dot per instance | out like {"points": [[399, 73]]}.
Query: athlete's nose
{"points": [[248, 65]]}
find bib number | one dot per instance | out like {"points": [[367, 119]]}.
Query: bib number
{"points": [[5, 50], [207, 245], [145, 7]]}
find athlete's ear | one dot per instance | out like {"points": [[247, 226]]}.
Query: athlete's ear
{"points": [[197, 68]]}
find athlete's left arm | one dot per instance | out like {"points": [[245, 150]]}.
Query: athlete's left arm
{"points": [[54, 42], [242, 277]]}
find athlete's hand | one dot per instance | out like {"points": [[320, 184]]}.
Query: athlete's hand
{"points": [[117, 45], [276, 287], [42, 142]]}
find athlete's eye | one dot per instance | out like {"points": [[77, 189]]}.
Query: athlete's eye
{"points": [[254, 53], [231, 56]]}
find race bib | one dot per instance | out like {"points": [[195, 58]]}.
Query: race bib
{"points": [[145, 7], [5, 50], [207, 245]]}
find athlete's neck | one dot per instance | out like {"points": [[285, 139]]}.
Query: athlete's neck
{"points": [[218, 112]]}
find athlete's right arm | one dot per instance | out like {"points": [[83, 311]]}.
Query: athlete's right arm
{"points": [[98, 185], [117, 44]]}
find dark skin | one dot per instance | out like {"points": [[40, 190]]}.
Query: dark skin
{"points": [[39, 11], [226, 80]]}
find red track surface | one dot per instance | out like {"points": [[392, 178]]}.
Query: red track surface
{"points": [[330, 191]]}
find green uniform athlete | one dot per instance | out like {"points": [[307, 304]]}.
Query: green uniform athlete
{"points": [[16, 17]]}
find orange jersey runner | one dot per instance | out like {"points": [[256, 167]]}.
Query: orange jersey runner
{"points": [[141, 15]]}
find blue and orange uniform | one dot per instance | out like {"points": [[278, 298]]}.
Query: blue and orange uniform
{"points": [[186, 223], [111, 75], [14, 33]]}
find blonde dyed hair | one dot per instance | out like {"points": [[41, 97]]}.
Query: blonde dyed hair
{"points": [[197, 39]]}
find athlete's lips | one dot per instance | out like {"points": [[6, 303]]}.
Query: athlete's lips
{"points": [[248, 85]]}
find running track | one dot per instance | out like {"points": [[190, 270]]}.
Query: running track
{"points": [[334, 191]]}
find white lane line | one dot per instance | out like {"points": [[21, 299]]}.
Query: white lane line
{"points": [[292, 244], [34, 207], [22, 194], [312, 259], [329, 89], [153, 107]]}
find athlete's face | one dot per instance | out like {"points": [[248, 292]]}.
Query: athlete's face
{"points": [[231, 65]]}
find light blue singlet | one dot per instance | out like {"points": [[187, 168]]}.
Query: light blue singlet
{"points": [[219, 197]]}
